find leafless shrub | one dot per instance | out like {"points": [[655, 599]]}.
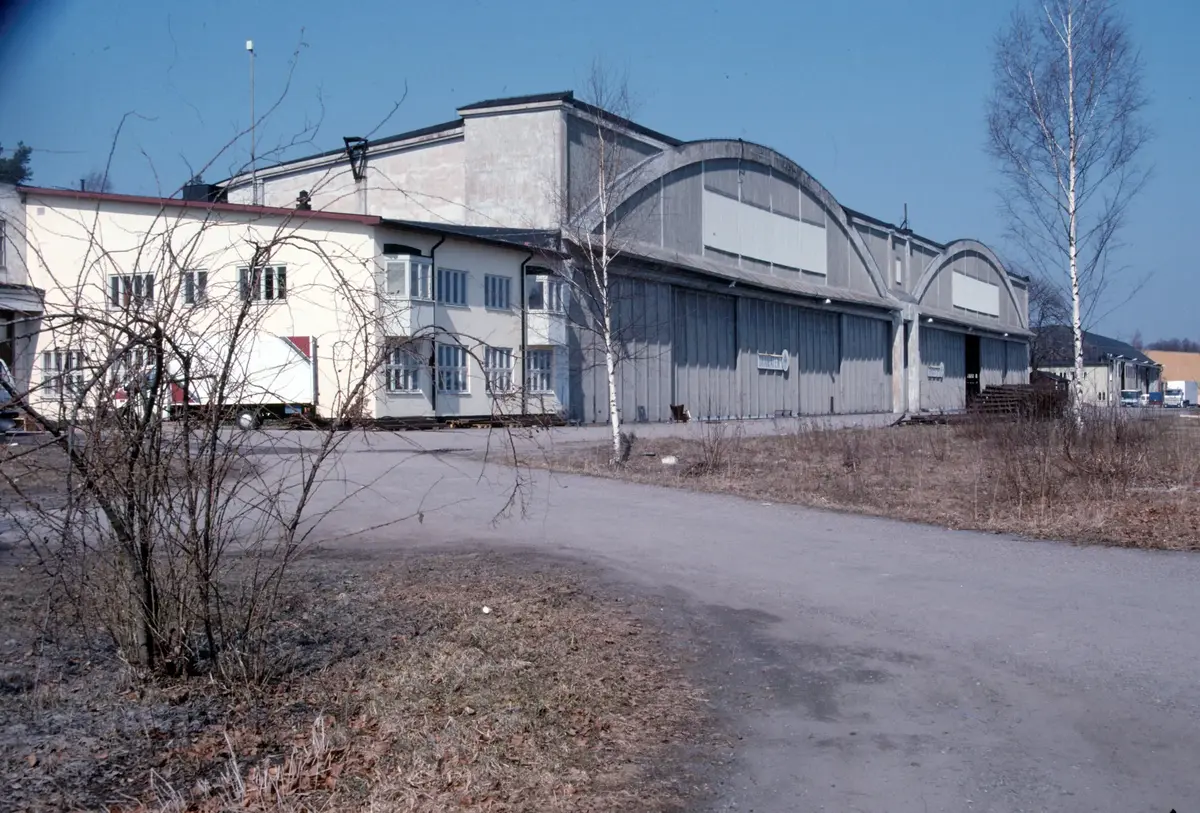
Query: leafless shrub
{"points": [[169, 530], [718, 444]]}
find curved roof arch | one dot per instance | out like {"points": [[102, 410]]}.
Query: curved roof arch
{"points": [[652, 169], [952, 250]]}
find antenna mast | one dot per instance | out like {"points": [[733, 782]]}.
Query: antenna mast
{"points": [[253, 166]]}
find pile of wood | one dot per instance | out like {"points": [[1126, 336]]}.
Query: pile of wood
{"points": [[1031, 400]]}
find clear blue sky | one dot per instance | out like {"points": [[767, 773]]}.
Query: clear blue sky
{"points": [[835, 86]]}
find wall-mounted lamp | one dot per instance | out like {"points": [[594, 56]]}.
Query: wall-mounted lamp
{"points": [[929, 320], [828, 301], [1006, 335]]}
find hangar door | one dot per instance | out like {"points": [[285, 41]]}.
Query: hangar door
{"points": [[866, 379], [943, 370], [705, 353], [820, 357]]}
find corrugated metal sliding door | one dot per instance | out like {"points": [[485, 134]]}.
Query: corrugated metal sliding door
{"points": [[993, 359], [820, 362], [765, 331], [705, 353], [866, 384], [943, 370], [642, 329], [1017, 370]]}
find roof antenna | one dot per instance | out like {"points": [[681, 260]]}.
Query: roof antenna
{"points": [[904, 224]]}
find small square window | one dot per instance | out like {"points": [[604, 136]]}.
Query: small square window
{"points": [[451, 368], [451, 286], [63, 372], [498, 368], [193, 287], [403, 366], [265, 284], [539, 371], [497, 292], [130, 290]]}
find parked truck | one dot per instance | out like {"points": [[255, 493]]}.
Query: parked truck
{"points": [[1180, 394], [269, 377]]}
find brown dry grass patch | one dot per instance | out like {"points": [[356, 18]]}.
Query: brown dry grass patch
{"points": [[1129, 480], [395, 691]]}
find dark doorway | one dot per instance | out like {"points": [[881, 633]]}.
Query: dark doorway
{"points": [[6, 337], [973, 366]]}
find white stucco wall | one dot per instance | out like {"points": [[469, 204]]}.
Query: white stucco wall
{"points": [[335, 282], [473, 325], [76, 244]]}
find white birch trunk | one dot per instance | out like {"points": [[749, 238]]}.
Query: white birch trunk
{"points": [[1073, 220]]}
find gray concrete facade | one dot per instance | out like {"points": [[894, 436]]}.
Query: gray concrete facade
{"points": [[746, 290]]}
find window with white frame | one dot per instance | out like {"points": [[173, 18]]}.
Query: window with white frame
{"points": [[193, 287], [420, 279], [62, 372], [498, 369], [451, 368], [497, 292], [539, 370], [451, 286], [545, 293], [402, 366], [267, 283], [130, 290], [408, 276]]}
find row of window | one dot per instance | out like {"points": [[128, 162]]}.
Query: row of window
{"points": [[404, 366], [409, 278], [413, 278], [266, 284], [63, 371]]}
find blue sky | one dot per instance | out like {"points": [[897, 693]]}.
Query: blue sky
{"points": [[881, 100]]}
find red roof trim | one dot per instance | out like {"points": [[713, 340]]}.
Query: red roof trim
{"points": [[238, 208]]}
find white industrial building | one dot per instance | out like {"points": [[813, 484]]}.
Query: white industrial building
{"points": [[739, 255], [744, 289]]}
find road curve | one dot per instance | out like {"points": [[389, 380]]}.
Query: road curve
{"points": [[868, 665]]}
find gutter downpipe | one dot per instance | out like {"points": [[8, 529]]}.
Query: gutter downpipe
{"points": [[433, 355], [524, 338]]}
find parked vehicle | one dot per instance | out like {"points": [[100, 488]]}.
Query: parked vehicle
{"points": [[1154, 399], [1180, 394], [1130, 398], [271, 377]]}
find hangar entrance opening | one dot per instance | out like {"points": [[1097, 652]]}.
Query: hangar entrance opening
{"points": [[973, 365]]}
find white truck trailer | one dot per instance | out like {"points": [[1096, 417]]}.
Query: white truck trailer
{"points": [[1180, 394], [269, 377]]}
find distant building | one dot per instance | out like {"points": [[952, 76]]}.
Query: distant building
{"points": [[1109, 365], [1177, 366]]}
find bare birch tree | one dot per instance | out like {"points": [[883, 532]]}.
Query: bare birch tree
{"points": [[1064, 122], [596, 237]]}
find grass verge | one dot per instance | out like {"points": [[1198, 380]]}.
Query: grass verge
{"points": [[1129, 480], [392, 690]]}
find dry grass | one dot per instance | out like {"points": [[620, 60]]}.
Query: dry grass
{"points": [[398, 693], [1129, 480]]}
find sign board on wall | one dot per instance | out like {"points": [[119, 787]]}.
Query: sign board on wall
{"points": [[936, 371], [779, 362]]}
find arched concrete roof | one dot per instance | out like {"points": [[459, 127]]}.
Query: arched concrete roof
{"points": [[653, 169], [952, 250]]}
